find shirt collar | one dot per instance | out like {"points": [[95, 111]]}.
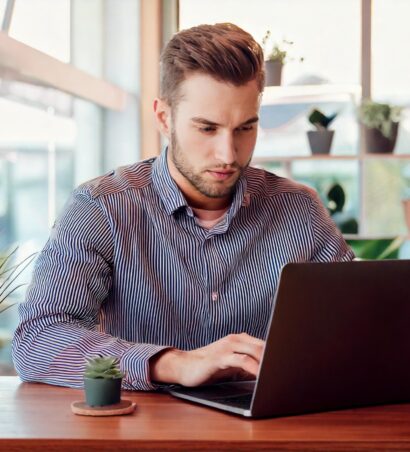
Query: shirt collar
{"points": [[172, 197]]}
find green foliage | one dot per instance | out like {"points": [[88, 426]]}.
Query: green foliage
{"points": [[320, 120], [379, 116], [9, 274], [376, 248], [278, 52], [103, 367]]}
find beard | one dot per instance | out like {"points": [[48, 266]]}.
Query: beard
{"points": [[198, 179]]}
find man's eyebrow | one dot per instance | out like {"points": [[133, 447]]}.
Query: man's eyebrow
{"points": [[250, 121], [199, 120]]}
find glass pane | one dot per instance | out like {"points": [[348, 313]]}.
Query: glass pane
{"points": [[336, 183], [391, 61], [3, 4], [283, 120], [44, 25], [317, 28], [386, 184]]}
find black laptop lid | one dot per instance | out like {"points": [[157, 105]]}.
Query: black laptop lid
{"points": [[340, 337]]}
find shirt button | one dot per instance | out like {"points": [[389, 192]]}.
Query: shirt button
{"points": [[214, 296]]}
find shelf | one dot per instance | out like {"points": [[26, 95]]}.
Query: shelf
{"points": [[387, 156], [404, 237], [290, 93], [258, 160], [361, 157]]}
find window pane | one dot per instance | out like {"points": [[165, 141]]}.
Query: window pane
{"points": [[44, 25], [3, 4], [391, 61], [386, 184], [329, 40]]}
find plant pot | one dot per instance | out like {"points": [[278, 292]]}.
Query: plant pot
{"points": [[406, 211], [273, 73], [320, 141], [377, 143], [102, 391]]}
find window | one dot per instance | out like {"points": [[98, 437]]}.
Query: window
{"points": [[328, 35], [50, 141], [44, 25]]}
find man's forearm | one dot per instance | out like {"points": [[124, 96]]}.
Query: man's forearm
{"points": [[56, 354], [164, 367]]}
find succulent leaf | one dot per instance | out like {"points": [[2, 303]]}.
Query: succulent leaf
{"points": [[103, 367], [320, 120]]}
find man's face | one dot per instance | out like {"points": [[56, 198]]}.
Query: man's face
{"points": [[212, 135]]}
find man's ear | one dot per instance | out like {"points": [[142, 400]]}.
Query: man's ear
{"points": [[162, 113]]}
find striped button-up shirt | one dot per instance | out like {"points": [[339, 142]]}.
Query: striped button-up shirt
{"points": [[128, 270]]}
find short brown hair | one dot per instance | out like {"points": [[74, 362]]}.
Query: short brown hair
{"points": [[223, 51]]}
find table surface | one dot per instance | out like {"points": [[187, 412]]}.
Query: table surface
{"points": [[35, 417]]}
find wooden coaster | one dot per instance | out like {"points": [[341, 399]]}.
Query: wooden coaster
{"points": [[124, 407]]}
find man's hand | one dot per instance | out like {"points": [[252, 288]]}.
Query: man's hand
{"points": [[236, 355]]}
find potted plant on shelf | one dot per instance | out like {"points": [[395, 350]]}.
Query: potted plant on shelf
{"points": [[102, 381], [381, 125], [275, 59], [320, 140]]}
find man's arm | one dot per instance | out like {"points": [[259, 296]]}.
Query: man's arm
{"points": [[58, 320]]}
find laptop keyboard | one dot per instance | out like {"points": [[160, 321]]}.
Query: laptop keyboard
{"points": [[241, 401]]}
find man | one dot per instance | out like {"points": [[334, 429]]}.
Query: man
{"points": [[172, 264]]}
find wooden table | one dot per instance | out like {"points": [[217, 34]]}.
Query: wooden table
{"points": [[37, 417]]}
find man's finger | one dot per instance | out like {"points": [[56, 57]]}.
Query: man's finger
{"points": [[243, 362], [247, 345]]}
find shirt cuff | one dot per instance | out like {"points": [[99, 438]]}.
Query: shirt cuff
{"points": [[135, 364]]}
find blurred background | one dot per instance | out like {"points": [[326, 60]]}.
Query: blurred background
{"points": [[77, 80]]}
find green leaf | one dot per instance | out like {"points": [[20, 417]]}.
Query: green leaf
{"points": [[103, 367], [320, 120]]}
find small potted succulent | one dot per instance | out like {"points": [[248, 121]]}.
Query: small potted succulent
{"points": [[102, 381], [275, 59], [381, 125], [320, 140]]}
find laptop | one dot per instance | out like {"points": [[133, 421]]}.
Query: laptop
{"points": [[338, 337]]}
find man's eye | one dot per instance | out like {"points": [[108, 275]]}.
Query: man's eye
{"points": [[207, 129], [245, 128]]}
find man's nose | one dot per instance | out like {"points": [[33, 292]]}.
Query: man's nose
{"points": [[225, 149]]}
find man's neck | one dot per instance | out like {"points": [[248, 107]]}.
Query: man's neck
{"points": [[209, 215]]}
